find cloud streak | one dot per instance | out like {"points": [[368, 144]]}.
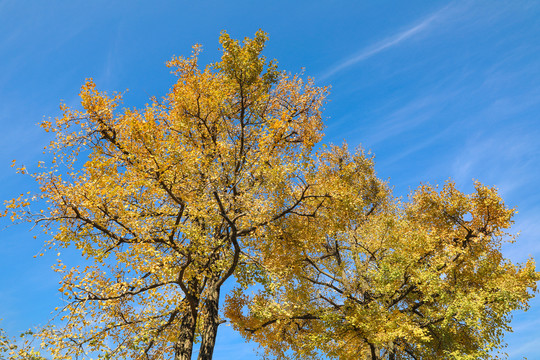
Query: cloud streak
{"points": [[389, 42]]}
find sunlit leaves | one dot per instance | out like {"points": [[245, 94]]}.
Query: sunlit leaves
{"points": [[383, 279], [221, 178]]}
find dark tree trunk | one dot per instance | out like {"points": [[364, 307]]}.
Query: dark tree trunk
{"points": [[210, 326], [183, 347], [373, 352]]}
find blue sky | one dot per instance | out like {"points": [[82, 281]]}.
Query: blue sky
{"points": [[435, 89]]}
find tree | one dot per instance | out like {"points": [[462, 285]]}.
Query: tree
{"points": [[375, 278], [221, 179], [164, 202]]}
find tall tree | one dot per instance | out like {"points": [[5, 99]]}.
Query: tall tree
{"points": [[376, 278], [165, 202]]}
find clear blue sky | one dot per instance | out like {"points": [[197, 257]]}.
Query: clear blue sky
{"points": [[436, 89]]}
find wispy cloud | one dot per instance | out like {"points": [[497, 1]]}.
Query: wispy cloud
{"points": [[394, 40]]}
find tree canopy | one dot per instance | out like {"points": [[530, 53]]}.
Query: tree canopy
{"points": [[225, 177]]}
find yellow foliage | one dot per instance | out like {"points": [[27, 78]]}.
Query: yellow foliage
{"points": [[220, 178], [376, 278]]}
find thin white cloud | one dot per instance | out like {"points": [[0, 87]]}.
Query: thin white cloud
{"points": [[528, 347], [394, 40]]}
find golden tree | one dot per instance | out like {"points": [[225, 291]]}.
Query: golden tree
{"points": [[376, 278], [220, 179], [164, 201]]}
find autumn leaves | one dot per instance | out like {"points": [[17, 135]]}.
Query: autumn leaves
{"points": [[221, 179]]}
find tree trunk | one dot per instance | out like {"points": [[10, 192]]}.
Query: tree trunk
{"points": [[183, 347], [373, 351], [211, 322]]}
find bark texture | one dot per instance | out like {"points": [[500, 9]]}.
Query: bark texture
{"points": [[210, 326]]}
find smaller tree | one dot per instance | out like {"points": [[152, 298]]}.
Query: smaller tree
{"points": [[377, 278]]}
